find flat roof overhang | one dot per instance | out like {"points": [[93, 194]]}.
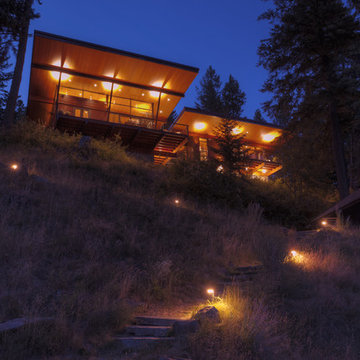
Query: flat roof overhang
{"points": [[254, 132], [141, 76]]}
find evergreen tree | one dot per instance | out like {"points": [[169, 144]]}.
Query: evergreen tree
{"points": [[172, 117], [230, 144], [233, 156], [233, 99], [209, 94], [15, 19], [5, 74], [310, 57], [258, 117]]}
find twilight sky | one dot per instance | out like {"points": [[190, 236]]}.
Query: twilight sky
{"points": [[224, 34]]}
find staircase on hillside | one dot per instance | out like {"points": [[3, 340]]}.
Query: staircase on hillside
{"points": [[240, 275], [147, 331]]}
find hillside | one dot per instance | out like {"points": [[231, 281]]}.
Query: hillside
{"points": [[87, 233]]}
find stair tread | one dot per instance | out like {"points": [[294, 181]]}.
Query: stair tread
{"points": [[148, 327], [119, 337]]}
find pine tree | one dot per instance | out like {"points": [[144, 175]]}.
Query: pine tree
{"points": [[310, 57], [20, 12], [230, 144], [209, 94], [233, 99], [258, 117], [233, 156]]}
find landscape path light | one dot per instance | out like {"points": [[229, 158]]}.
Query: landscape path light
{"points": [[211, 292]]}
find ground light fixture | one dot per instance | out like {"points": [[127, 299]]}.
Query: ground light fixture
{"points": [[295, 257], [211, 292]]}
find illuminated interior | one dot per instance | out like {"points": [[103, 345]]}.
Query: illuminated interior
{"points": [[259, 140], [90, 81]]}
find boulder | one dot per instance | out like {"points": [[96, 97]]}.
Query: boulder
{"points": [[208, 314], [185, 327]]}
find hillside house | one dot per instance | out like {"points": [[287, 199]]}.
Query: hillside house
{"points": [[80, 87]]}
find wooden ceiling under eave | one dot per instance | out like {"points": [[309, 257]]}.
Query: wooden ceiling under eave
{"points": [[101, 61], [252, 131]]}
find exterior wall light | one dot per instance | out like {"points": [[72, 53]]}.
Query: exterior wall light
{"points": [[199, 126], [14, 167], [237, 130], [270, 136], [107, 86], [324, 223], [177, 201]]}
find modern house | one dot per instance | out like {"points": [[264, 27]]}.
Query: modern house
{"points": [[258, 138], [80, 87]]}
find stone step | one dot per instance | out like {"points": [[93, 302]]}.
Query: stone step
{"points": [[247, 270], [145, 330], [139, 342], [18, 323], [154, 321]]}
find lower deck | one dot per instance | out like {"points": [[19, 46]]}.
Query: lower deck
{"points": [[160, 144]]}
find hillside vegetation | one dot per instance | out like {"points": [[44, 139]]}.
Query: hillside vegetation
{"points": [[86, 232]]}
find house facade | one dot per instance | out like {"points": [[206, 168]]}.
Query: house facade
{"points": [[80, 87]]}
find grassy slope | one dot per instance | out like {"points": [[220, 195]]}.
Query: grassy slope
{"points": [[103, 229]]}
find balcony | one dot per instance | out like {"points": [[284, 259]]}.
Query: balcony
{"points": [[139, 131]]}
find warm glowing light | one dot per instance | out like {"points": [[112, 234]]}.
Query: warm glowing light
{"points": [[295, 257], [210, 292], [161, 111], [237, 130], [168, 99], [263, 171], [177, 201], [199, 126], [324, 223], [14, 166], [270, 136], [95, 85], [220, 169], [56, 74], [156, 84], [107, 86], [142, 94]]}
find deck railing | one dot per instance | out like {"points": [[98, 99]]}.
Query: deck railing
{"points": [[92, 113]]}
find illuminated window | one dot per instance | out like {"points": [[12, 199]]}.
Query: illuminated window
{"points": [[85, 114], [203, 149], [78, 112]]}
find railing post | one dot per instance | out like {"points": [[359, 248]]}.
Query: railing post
{"points": [[57, 99], [158, 109], [109, 107]]}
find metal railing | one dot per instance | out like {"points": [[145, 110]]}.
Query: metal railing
{"points": [[94, 113]]}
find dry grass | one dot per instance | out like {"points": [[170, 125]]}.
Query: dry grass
{"points": [[87, 234]]}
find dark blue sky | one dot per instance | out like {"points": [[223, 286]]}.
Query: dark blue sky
{"points": [[221, 33]]}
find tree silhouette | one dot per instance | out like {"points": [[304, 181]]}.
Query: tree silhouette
{"points": [[310, 58]]}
